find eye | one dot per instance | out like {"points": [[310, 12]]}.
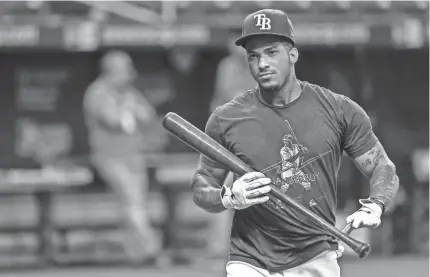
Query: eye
{"points": [[252, 57], [272, 52]]}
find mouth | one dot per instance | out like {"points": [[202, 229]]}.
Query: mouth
{"points": [[265, 77], [262, 75]]}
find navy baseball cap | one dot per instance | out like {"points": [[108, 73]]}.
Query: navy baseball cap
{"points": [[266, 22]]}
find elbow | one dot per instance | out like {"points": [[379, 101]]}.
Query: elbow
{"points": [[202, 204], [395, 177], [396, 183], [197, 200], [198, 197], [199, 203], [205, 196], [392, 165]]}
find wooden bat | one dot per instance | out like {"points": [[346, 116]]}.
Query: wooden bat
{"points": [[204, 144]]}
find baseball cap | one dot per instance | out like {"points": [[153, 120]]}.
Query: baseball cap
{"points": [[266, 22]]}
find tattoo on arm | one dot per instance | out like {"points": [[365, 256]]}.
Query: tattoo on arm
{"points": [[378, 156], [384, 183], [373, 157], [376, 165], [366, 163]]}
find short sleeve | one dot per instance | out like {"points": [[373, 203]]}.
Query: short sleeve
{"points": [[213, 130], [95, 100], [358, 137], [99, 103]]}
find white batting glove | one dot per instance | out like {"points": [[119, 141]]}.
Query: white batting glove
{"points": [[248, 190], [369, 215], [340, 250]]}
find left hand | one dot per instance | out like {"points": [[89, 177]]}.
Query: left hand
{"points": [[369, 215], [340, 250]]}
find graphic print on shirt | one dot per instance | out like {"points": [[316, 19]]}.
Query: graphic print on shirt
{"points": [[288, 172]]}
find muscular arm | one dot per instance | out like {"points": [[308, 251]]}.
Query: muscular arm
{"points": [[206, 184], [376, 166]]}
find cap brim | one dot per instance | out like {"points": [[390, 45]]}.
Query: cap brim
{"points": [[243, 40]]}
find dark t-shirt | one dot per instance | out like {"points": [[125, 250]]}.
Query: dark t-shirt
{"points": [[299, 146]]}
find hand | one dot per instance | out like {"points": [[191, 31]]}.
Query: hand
{"points": [[369, 215], [128, 123], [340, 250], [144, 114], [248, 190]]}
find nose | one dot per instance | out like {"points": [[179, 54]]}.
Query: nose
{"points": [[262, 63]]}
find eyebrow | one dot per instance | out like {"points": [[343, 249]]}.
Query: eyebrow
{"points": [[268, 48], [271, 47]]}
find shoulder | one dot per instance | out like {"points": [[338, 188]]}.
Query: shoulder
{"points": [[326, 94], [225, 115], [96, 93], [333, 103], [96, 88], [239, 104], [345, 108]]}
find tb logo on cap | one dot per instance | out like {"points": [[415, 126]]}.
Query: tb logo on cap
{"points": [[263, 22]]}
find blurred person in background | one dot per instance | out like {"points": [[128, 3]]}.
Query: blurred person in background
{"points": [[232, 78], [120, 123]]}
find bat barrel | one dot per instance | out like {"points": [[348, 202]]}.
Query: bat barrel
{"points": [[202, 143]]}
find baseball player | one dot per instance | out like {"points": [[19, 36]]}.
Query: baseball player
{"points": [[293, 134]]}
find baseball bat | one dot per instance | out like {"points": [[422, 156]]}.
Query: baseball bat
{"points": [[347, 229], [201, 142]]}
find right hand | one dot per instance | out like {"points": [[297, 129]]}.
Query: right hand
{"points": [[248, 190], [128, 122]]}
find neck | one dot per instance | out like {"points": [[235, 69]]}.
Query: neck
{"points": [[289, 92]]}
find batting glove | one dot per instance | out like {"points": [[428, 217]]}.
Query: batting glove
{"points": [[340, 250], [369, 215], [250, 189]]}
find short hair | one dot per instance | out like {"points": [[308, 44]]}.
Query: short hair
{"points": [[288, 45]]}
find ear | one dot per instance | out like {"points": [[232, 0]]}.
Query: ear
{"points": [[294, 55]]}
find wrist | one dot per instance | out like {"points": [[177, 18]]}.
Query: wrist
{"points": [[379, 202], [369, 204], [225, 195]]}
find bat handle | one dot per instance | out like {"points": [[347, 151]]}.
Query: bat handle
{"points": [[361, 248], [348, 228]]}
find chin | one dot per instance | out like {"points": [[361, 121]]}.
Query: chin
{"points": [[269, 87]]}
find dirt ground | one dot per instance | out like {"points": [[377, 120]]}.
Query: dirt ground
{"points": [[404, 266]]}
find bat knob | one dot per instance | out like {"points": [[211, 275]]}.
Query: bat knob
{"points": [[363, 250]]}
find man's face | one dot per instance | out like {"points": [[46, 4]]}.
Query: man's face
{"points": [[121, 71], [269, 61]]}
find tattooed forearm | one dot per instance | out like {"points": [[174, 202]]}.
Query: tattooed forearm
{"points": [[378, 156], [381, 172], [371, 159], [384, 183], [366, 163]]}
